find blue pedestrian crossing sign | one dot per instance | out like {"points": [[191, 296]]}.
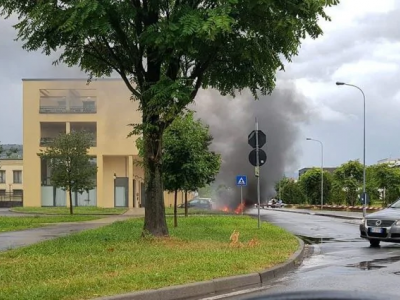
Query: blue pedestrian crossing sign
{"points": [[241, 180]]}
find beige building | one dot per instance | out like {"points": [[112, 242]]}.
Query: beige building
{"points": [[54, 106], [11, 178], [395, 162]]}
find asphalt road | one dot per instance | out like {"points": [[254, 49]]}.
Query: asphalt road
{"points": [[5, 212], [15, 239], [340, 260]]}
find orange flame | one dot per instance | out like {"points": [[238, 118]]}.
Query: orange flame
{"points": [[225, 209], [239, 209]]}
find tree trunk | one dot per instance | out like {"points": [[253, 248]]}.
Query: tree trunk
{"points": [[186, 205], [175, 209], [71, 208], [154, 217]]}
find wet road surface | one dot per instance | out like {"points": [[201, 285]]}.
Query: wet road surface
{"points": [[15, 239], [5, 212], [340, 260]]}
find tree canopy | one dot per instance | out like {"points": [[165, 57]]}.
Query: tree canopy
{"points": [[386, 179], [349, 177], [188, 163], [310, 183], [70, 164], [290, 191], [166, 50], [344, 186]]}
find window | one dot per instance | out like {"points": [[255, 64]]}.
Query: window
{"points": [[2, 176], [17, 192], [17, 176], [2, 193]]}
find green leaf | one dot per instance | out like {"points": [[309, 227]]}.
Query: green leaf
{"points": [[71, 166]]}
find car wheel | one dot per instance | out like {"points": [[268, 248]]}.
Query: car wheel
{"points": [[374, 243]]}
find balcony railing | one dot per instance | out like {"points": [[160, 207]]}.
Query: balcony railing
{"points": [[47, 141], [76, 106]]}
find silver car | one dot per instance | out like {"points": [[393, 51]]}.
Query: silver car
{"points": [[382, 226]]}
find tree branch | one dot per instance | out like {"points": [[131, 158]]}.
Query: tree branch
{"points": [[119, 71], [173, 67], [99, 55], [129, 85], [199, 70]]}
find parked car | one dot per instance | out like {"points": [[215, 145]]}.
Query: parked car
{"points": [[382, 226], [273, 203], [201, 203]]}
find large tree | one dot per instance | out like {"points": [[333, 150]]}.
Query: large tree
{"points": [[70, 164], [386, 179], [188, 163], [348, 178], [201, 166], [310, 183], [166, 50], [290, 191]]}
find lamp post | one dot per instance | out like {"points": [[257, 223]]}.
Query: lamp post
{"points": [[364, 197], [322, 169]]}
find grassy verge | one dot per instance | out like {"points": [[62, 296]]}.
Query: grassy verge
{"points": [[113, 259], [196, 211], [80, 210], [20, 223]]}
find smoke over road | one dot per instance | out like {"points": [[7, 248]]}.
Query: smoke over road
{"points": [[232, 119]]}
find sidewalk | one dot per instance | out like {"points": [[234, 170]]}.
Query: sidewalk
{"points": [[15, 239], [326, 213]]}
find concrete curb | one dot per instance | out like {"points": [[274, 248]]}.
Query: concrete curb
{"points": [[218, 285], [321, 214]]}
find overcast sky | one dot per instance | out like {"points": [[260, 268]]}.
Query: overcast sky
{"points": [[360, 46]]}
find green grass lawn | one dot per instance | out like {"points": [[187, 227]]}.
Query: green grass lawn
{"points": [[20, 223], [80, 210], [114, 259]]}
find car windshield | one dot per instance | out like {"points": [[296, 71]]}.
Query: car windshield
{"points": [[396, 204]]}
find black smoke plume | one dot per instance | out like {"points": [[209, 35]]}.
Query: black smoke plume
{"points": [[279, 115]]}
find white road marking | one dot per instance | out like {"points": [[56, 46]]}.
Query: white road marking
{"points": [[237, 293]]}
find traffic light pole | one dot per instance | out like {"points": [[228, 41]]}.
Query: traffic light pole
{"points": [[257, 172]]}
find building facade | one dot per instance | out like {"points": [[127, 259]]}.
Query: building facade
{"points": [[327, 169], [395, 162], [11, 171], [103, 108]]}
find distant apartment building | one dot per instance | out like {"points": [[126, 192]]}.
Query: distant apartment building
{"points": [[304, 170], [104, 108], [11, 151], [395, 162], [11, 178]]}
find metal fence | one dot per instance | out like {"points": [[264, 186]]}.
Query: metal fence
{"points": [[10, 199]]}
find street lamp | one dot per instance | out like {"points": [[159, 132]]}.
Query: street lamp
{"points": [[322, 169], [364, 197]]}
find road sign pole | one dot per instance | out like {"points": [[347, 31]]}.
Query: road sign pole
{"points": [[241, 199], [258, 174]]}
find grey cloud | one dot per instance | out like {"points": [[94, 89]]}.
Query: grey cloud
{"points": [[231, 120], [318, 61], [381, 27]]}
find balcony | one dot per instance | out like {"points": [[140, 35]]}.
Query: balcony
{"points": [[47, 141], [49, 131], [67, 102], [89, 127]]}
